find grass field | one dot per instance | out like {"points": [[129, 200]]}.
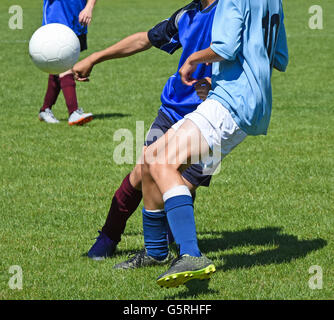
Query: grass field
{"points": [[267, 218]]}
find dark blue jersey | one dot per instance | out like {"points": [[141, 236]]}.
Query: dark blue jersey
{"points": [[189, 28], [65, 12]]}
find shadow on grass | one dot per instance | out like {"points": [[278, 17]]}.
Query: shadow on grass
{"points": [[103, 116], [284, 248]]}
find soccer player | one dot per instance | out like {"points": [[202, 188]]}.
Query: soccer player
{"points": [[76, 14], [248, 41], [189, 28]]}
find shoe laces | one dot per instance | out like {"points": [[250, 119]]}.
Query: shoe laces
{"points": [[176, 261], [134, 254]]}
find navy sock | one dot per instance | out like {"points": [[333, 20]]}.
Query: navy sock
{"points": [[180, 215], [170, 236], [155, 228]]}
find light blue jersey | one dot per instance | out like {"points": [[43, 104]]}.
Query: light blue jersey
{"points": [[250, 36]]}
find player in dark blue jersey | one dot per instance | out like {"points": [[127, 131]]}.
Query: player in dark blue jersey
{"points": [[77, 15], [248, 41], [190, 29]]}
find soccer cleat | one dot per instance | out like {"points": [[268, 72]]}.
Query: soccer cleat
{"points": [[102, 248], [47, 116], [142, 259], [186, 268], [78, 117]]}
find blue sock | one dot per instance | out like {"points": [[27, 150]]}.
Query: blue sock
{"points": [[155, 228], [180, 215], [170, 234]]}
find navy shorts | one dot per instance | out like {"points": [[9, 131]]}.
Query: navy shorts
{"points": [[159, 127]]}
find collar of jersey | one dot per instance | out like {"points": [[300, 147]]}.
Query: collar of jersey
{"points": [[209, 8]]}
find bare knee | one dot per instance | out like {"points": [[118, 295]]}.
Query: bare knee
{"points": [[150, 169], [159, 171], [154, 170]]}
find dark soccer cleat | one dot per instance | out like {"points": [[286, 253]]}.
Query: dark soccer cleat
{"points": [[142, 259], [102, 248], [186, 268]]}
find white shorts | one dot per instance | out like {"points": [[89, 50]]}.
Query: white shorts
{"points": [[219, 130]]}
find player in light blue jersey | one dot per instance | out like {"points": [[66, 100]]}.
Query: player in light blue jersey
{"points": [[188, 28], [252, 64], [77, 15], [248, 40]]}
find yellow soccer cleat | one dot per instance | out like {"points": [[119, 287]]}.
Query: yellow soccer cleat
{"points": [[186, 268]]}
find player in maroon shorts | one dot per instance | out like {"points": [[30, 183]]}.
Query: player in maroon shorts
{"points": [[77, 15]]}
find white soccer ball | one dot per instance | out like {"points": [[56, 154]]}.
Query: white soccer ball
{"points": [[54, 48]]}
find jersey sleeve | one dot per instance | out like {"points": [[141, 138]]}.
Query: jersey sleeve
{"points": [[281, 57], [226, 30], [165, 35]]}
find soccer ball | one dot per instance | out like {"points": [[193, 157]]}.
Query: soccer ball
{"points": [[54, 48]]}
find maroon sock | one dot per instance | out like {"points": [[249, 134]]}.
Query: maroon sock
{"points": [[124, 203], [52, 92], [68, 85]]}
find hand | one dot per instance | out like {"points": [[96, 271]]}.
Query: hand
{"points": [[85, 16], [203, 87], [186, 72], [82, 69]]}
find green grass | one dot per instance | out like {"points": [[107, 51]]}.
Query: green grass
{"points": [[266, 219]]}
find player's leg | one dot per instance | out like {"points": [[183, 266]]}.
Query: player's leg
{"points": [[164, 164], [68, 86], [52, 92], [157, 235], [155, 230], [67, 83], [215, 129], [124, 203], [126, 199], [76, 115], [155, 225]]}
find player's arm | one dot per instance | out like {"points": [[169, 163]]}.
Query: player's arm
{"points": [[226, 40], [281, 57], [163, 36], [189, 67], [127, 47], [85, 16]]}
